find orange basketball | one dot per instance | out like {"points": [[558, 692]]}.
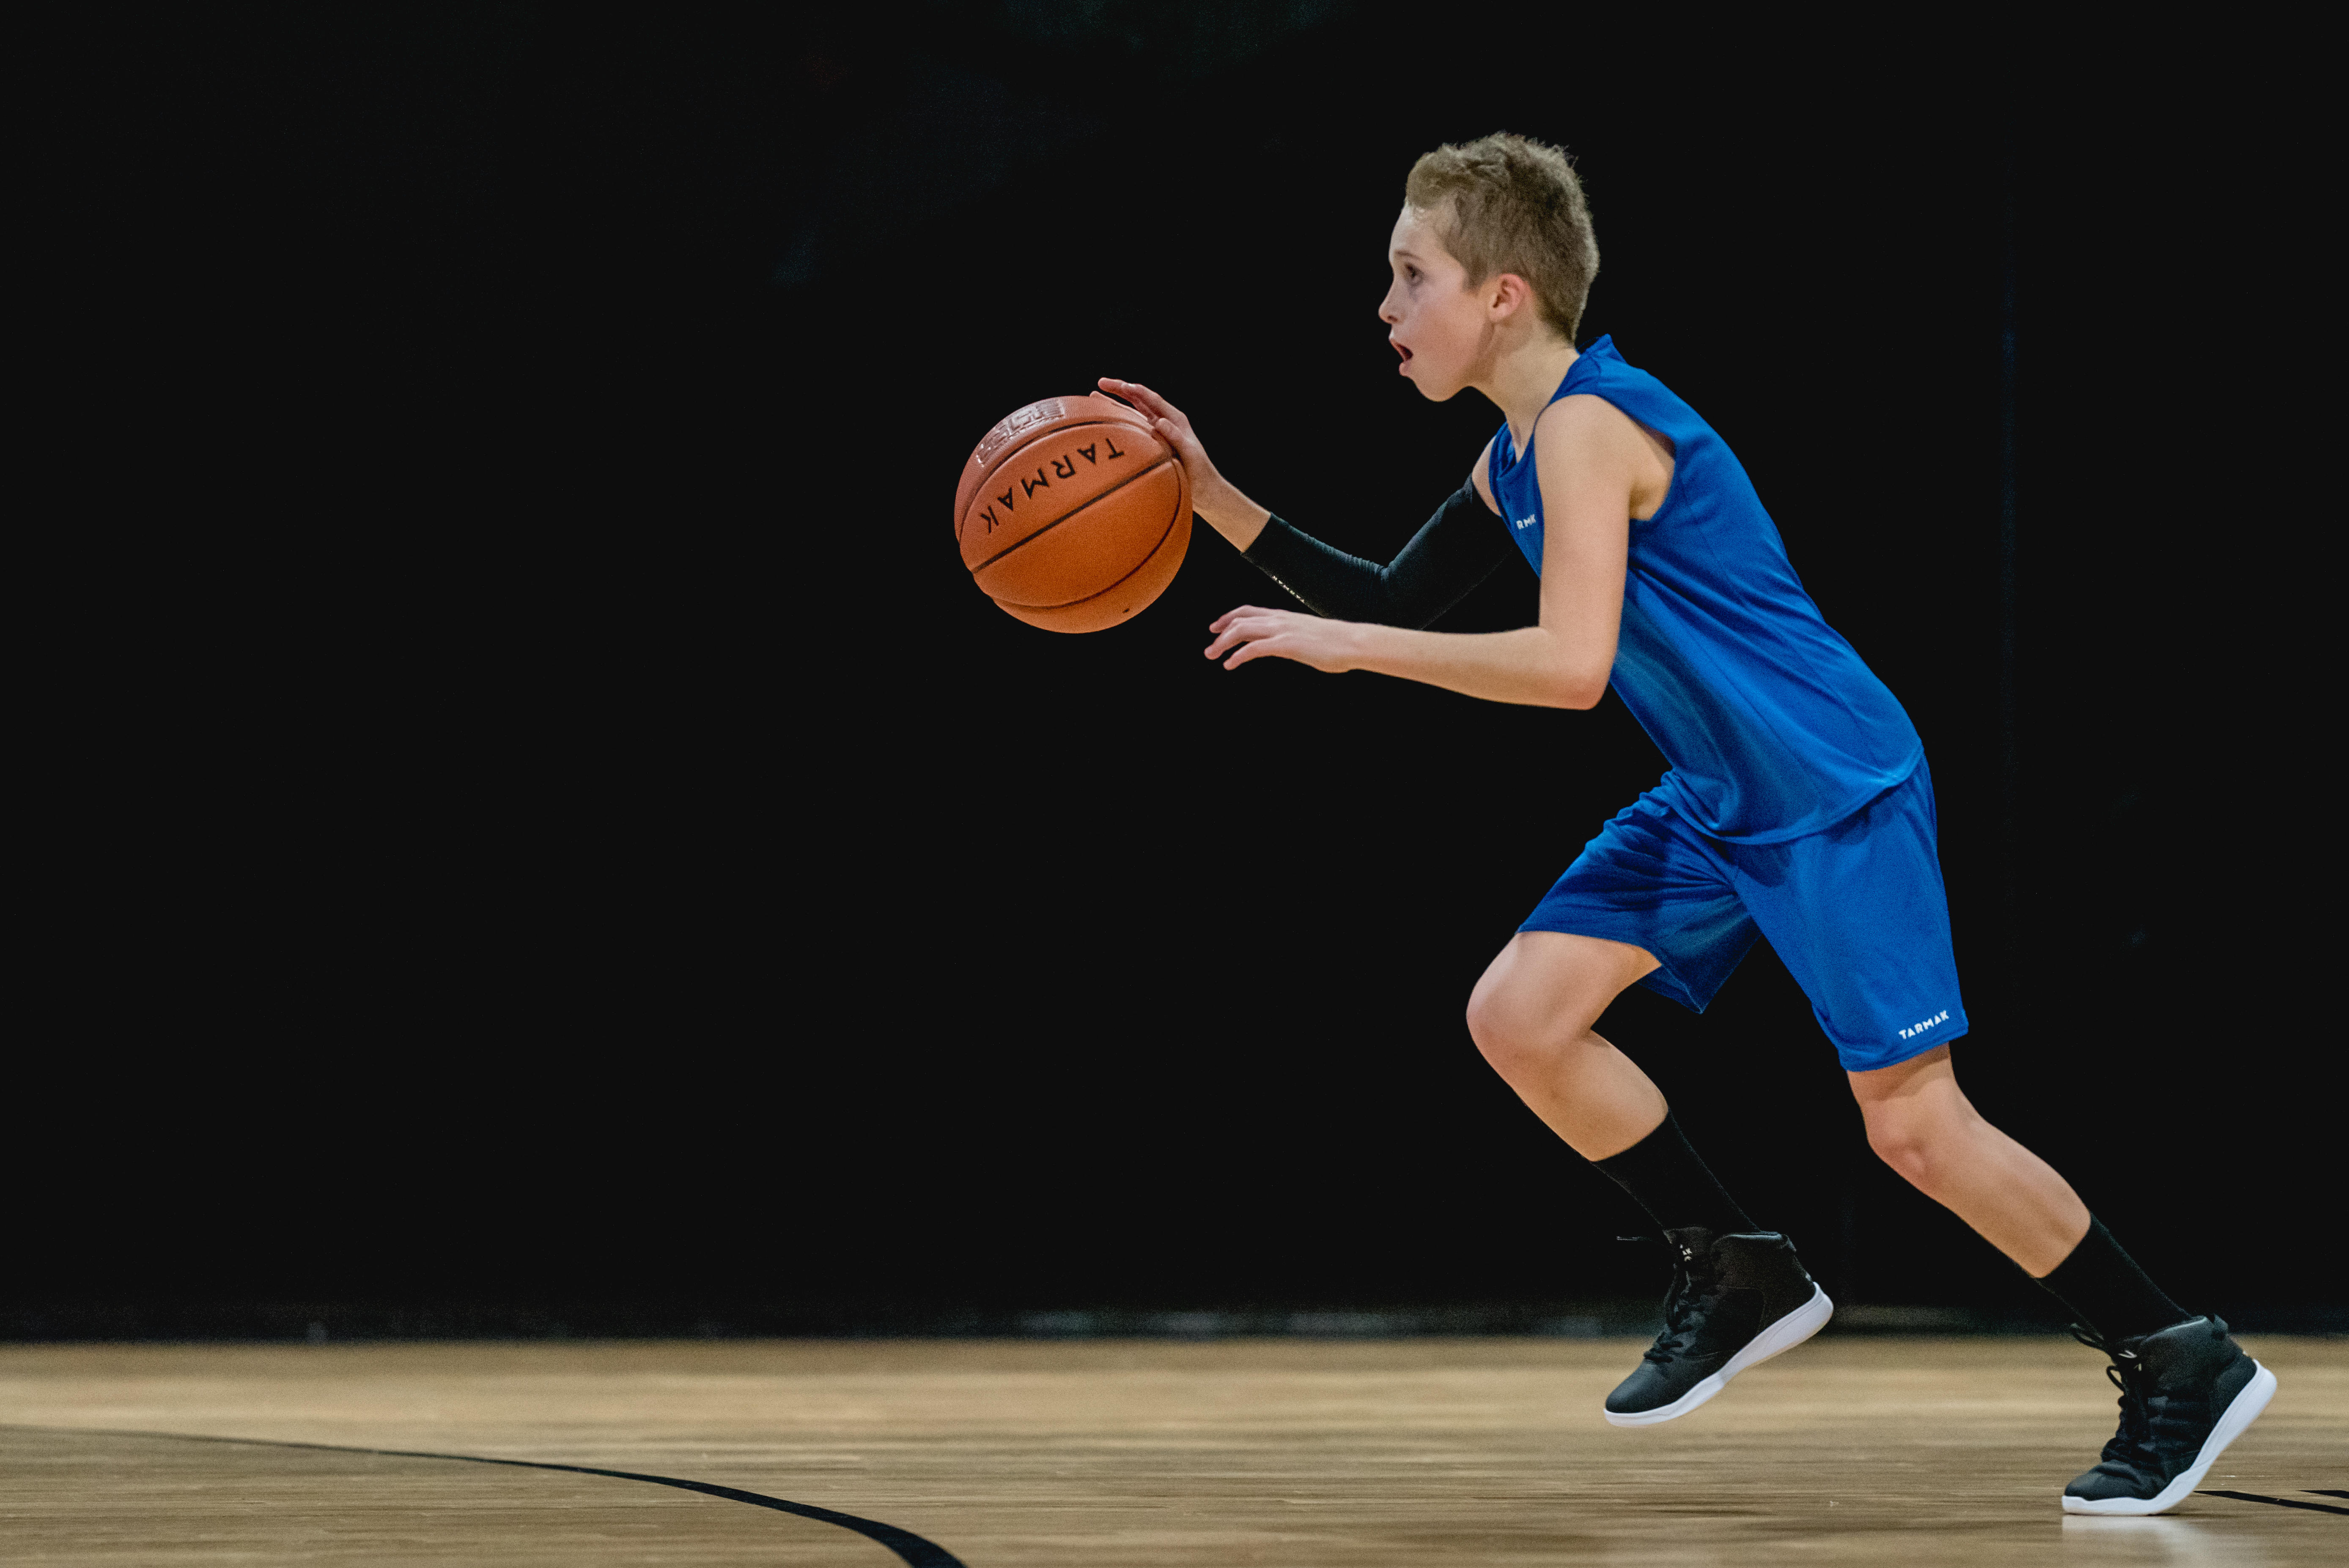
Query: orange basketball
{"points": [[1072, 513]]}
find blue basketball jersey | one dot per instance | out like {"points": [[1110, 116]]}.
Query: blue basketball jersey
{"points": [[1774, 727]]}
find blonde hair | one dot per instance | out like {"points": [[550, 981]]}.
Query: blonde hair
{"points": [[1505, 203]]}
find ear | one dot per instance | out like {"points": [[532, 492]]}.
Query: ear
{"points": [[1507, 293]]}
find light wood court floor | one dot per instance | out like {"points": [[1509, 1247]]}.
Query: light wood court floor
{"points": [[1423, 1454]]}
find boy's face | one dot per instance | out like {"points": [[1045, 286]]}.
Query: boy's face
{"points": [[1435, 320]]}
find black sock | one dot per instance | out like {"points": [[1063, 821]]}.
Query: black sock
{"points": [[2103, 1287], [1665, 1177]]}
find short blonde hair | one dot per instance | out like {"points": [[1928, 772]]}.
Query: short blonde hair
{"points": [[1505, 203]]}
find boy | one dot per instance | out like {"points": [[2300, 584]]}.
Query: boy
{"points": [[1798, 807]]}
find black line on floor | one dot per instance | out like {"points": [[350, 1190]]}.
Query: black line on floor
{"points": [[2325, 1491], [909, 1547], [2280, 1501]]}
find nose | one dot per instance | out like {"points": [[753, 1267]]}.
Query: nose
{"points": [[1387, 310]]}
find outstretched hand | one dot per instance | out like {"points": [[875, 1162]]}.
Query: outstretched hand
{"points": [[1256, 633]]}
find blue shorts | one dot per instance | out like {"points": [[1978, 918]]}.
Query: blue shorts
{"points": [[1855, 912]]}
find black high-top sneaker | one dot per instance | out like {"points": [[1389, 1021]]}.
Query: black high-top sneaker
{"points": [[1736, 1301], [2187, 1392]]}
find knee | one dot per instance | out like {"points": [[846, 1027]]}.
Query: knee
{"points": [[1503, 1027], [1905, 1143], [1542, 994], [1913, 1140], [1489, 1021]]}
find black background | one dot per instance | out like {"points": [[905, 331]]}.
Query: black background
{"points": [[536, 829]]}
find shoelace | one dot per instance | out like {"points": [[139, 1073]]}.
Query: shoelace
{"points": [[2138, 1441], [1683, 1311], [2133, 1444]]}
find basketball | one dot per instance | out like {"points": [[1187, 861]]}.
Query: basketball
{"points": [[1072, 513]]}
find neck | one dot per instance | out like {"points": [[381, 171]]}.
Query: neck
{"points": [[1523, 376]]}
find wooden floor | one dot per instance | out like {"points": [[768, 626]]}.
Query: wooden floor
{"points": [[1119, 1455]]}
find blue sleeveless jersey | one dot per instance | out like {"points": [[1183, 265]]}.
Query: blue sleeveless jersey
{"points": [[1774, 727]]}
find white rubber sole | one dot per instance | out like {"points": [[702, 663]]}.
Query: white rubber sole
{"points": [[1775, 1340], [2241, 1414]]}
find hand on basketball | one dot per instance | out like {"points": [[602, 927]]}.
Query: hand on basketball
{"points": [[1175, 426], [1327, 645], [1213, 497]]}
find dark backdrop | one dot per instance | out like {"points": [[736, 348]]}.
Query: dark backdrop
{"points": [[538, 828]]}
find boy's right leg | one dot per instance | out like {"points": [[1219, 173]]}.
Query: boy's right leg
{"points": [[1739, 1296], [1531, 1015]]}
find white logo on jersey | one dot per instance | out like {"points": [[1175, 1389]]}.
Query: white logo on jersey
{"points": [[1915, 1029], [1527, 522]]}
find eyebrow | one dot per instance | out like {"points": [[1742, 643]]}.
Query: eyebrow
{"points": [[1413, 254]]}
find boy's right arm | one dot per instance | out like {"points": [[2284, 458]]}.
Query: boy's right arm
{"points": [[1213, 498], [1454, 552]]}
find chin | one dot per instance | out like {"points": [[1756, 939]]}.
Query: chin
{"points": [[1432, 390]]}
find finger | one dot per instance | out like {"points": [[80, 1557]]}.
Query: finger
{"points": [[1239, 632], [1263, 647], [1231, 638], [1136, 393], [1247, 630], [1187, 445], [1128, 392], [1157, 406]]}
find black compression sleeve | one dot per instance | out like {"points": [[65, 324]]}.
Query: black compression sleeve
{"points": [[1454, 552]]}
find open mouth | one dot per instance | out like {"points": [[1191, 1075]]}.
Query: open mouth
{"points": [[1399, 348]]}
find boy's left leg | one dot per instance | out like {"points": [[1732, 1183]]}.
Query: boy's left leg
{"points": [[1922, 1125], [1858, 914], [2186, 1389]]}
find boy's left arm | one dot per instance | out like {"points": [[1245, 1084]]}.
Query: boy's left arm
{"points": [[1592, 462]]}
